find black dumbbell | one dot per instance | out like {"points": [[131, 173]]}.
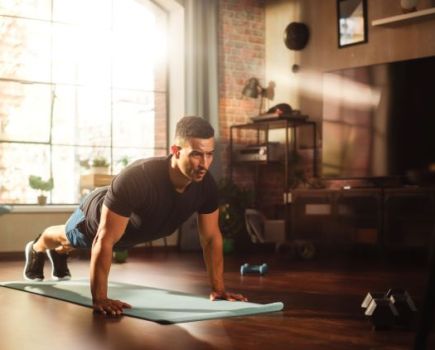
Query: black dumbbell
{"points": [[370, 296], [405, 306], [382, 313], [246, 268], [393, 308]]}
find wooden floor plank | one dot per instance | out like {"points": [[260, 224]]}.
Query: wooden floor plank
{"points": [[322, 306]]}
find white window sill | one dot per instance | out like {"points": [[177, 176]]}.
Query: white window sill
{"points": [[61, 208]]}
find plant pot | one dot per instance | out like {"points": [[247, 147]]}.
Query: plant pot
{"points": [[228, 246], [120, 256], [408, 5], [42, 200]]}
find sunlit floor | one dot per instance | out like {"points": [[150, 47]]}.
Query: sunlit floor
{"points": [[322, 306]]}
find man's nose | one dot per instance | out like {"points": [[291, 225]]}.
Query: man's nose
{"points": [[205, 161]]}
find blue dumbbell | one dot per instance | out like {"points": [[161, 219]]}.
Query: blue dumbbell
{"points": [[246, 268]]}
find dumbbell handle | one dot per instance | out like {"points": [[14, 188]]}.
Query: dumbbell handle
{"points": [[246, 268]]}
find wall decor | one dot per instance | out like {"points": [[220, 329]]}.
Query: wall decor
{"points": [[351, 22]]}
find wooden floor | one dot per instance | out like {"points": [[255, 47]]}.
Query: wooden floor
{"points": [[322, 306]]}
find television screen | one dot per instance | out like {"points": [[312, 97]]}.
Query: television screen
{"points": [[379, 120]]}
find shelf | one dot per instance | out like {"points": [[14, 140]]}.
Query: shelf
{"points": [[406, 18], [274, 124], [257, 162], [91, 181]]}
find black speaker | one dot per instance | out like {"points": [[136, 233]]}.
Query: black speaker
{"points": [[296, 36]]}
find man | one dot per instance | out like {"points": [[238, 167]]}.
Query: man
{"points": [[147, 200]]}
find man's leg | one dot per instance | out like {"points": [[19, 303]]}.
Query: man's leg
{"points": [[53, 237], [55, 243]]}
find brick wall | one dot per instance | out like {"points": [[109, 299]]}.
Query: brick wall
{"points": [[241, 56]]}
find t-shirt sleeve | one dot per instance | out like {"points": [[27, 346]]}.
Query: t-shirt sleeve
{"points": [[125, 193], [211, 197]]}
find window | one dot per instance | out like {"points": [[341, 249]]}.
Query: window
{"points": [[78, 80]]}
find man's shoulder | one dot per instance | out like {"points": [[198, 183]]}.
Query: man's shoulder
{"points": [[148, 171], [147, 166], [150, 162]]}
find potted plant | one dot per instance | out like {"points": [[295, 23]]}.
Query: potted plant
{"points": [[85, 164], [123, 161], [233, 200], [100, 165], [37, 183]]}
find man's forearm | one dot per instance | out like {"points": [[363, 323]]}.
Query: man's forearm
{"points": [[101, 259], [212, 251]]}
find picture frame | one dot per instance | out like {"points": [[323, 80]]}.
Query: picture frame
{"points": [[351, 22]]}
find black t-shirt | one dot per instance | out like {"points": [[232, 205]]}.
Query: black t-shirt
{"points": [[144, 193]]}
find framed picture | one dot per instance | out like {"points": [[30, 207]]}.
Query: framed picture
{"points": [[351, 22]]}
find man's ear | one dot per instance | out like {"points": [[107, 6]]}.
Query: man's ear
{"points": [[175, 150]]}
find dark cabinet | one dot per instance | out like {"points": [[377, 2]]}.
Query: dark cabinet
{"points": [[398, 218], [409, 218], [337, 217]]}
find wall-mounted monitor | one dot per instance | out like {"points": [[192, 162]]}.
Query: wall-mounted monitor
{"points": [[379, 120]]}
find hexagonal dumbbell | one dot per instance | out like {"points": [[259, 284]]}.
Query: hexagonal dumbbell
{"points": [[393, 308], [405, 306]]}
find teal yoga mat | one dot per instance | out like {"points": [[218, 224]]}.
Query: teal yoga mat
{"points": [[159, 305]]}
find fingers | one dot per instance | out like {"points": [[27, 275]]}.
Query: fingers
{"points": [[125, 305], [227, 296], [110, 307], [236, 297]]}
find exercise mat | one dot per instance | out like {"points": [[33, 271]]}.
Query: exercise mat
{"points": [[159, 305]]}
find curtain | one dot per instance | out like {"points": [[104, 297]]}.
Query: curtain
{"points": [[201, 64]]}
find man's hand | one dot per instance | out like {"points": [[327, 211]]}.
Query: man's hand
{"points": [[110, 307], [227, 296]]}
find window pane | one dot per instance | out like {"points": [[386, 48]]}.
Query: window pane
{"points": [[96, 12], [133, 59], [26, 8], [82, 116], [81, 55], [24, 112], [67, 170], [17, 162], [83, 79], [133, 119], [128, 155], [25, 49]]}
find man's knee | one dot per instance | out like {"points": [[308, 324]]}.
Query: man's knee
{"points": [[56, 233]]}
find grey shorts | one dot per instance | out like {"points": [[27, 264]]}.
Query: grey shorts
{"points": [[74, 228]]}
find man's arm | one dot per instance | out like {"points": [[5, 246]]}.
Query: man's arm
{"points": [[211, 242], [110, 230]]}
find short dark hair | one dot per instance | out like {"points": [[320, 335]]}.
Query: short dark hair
{"points": [[197, 127]]}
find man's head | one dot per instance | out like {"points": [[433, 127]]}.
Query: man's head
{"points": [[193, 147], [192, 127]]}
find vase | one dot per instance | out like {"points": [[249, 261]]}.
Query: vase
{"points": [[42, 200], [408, 5], [120, 256], [228, 246]]}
